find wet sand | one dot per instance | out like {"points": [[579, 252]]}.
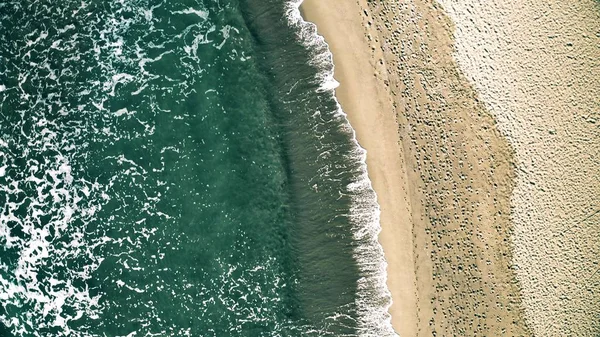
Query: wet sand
{"points": [[441, 170]]}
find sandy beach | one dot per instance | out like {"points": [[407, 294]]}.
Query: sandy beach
{"points": [[480, 123], [443, 172]]}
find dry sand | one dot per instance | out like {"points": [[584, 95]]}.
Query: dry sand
{"points": [[536, 65], [442, 172]]}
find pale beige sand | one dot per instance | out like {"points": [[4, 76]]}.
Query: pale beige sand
{"points": [[442, 172], [536, 65]]}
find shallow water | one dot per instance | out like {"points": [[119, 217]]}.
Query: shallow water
{"points": [[179, 168]]}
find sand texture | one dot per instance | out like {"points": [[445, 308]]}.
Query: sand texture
{"points": [[452, 170], [536, 65]]}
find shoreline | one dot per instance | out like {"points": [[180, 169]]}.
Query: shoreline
{"points": [[442, 173], [369, 109]]}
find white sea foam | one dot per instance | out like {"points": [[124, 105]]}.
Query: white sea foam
{"points": [[225, 32], [44, 224], [201, 13], [123, 111], [374, 298], [47, 295]]}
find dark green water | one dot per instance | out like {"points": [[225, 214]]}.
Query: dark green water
{"points": [[179, 168]]}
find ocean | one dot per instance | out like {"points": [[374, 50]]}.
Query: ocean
{"points": [[180, 168]]}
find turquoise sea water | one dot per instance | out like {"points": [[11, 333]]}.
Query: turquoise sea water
{"points": [[179, 168]]}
